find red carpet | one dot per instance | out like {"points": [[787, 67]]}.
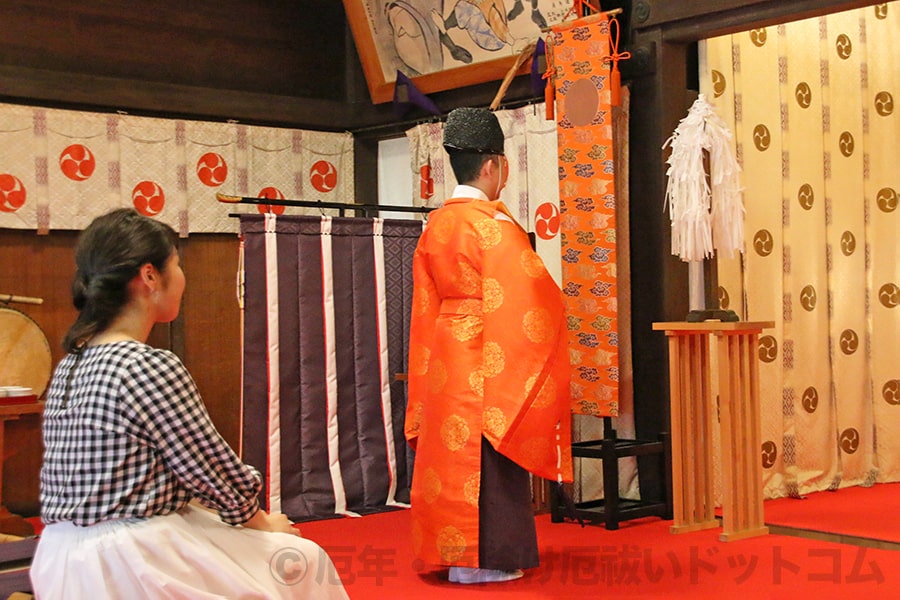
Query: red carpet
{"points": [[856, 511], [640, 560], [643, 560]]}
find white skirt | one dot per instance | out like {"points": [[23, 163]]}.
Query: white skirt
{"points": [[186, 555]]}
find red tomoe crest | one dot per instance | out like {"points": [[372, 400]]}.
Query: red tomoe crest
{"points": [[77, 162], [12, 193], [149, 198], [546, 221], [323, 176], [212, 170], [272, 193], [426, 182]]}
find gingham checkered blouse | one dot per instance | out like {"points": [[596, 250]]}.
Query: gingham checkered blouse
{"points": [[132, 438]]}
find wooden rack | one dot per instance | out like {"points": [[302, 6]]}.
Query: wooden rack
{"points": [[739, 421], [366, 209]]}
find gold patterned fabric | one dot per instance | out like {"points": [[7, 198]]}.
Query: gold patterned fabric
{"points": [[488, 357], [812, 105]]}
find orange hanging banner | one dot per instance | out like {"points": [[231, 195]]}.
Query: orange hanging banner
{"points": [[587, 207]]}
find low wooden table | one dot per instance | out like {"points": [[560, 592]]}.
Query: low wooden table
{"points": [[9, 522], [692, 422]]}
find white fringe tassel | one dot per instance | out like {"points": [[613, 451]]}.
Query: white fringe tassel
{"points": [[703, 218]]}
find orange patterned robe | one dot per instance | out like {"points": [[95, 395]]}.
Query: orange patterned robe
{"points": [[488, 357]]}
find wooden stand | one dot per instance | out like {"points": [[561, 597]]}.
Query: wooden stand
{"points": [[9, 522], [611, 509], [692, 422]]}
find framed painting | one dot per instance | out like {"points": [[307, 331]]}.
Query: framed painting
{"points": [[445, 44]]}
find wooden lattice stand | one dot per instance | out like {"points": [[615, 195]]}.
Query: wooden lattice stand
{"points": [[692, 423]]}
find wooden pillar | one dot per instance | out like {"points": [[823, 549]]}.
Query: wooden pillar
{"points": [[691, 421], [659, 283], [742, 505]]}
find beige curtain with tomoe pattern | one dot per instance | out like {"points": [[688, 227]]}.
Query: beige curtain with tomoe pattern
{"points": [[812, 107]]}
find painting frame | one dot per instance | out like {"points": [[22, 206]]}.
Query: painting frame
{"points": [[381, 88]]}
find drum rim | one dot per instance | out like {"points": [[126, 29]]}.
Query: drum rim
{"points": [[39, 392]]}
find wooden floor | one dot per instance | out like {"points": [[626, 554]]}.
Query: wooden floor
{"points": [[853, 515], [837, 538]]}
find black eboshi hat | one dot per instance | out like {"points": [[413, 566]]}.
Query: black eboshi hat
{"points": [[473, 130]]}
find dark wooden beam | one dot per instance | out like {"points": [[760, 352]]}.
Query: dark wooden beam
{"points": [[699, 19], [659, 289], [108, 94]]}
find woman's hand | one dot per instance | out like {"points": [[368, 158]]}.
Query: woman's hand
{"points": [[276, 522]]}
